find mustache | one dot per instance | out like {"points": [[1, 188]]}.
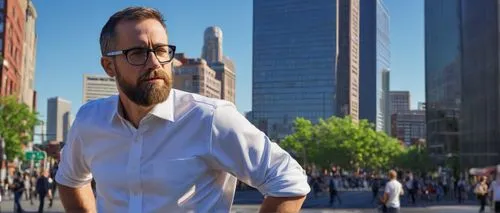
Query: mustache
{"points": [[154, 74]]}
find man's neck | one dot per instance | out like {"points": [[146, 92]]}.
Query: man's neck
{"points": [[133, 112]]}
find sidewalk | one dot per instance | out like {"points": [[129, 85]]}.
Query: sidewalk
{"points": [[7, 206]]}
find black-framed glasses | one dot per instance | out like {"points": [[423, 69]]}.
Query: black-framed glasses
{"points": [[139, 56]]}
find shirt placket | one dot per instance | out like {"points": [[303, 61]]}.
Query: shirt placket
{"points": [[133, 171]]}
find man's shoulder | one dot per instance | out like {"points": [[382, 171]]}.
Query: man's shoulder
{"points": [[186, 101], [394, 183], [99, 109]]}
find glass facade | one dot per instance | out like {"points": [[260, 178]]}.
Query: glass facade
{"points": [[442, 76], [294, 59], [374, 59], [480, 117]]}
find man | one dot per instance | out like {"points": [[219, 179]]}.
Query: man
{"points": [[481, 191], [42, 189], [53, 185], [393, 190], [18, 189], [157, 149], [375, 188], [333, 184]]}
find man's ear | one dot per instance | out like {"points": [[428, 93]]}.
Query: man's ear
{"points": [[108, 66]]}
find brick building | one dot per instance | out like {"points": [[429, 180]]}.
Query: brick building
{"points": [[12, 20]]}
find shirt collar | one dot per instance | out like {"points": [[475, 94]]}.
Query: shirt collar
{"points": [[163, 110]]}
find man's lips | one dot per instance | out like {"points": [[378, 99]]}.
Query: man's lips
{"points": [[153, 79]]}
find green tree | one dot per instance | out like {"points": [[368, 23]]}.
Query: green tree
{"points": [[416, 158], [17, 123], [342, 142], [300, 140]]}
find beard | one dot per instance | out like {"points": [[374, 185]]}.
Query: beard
{"points": [[146, 93]]}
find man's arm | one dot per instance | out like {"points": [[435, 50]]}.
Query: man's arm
{"points": [[282, 204], [384, 198], [74, 176], [242, 150], [77, 200]]}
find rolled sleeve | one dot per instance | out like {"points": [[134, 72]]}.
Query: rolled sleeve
{"points": [[239, 148], [73, 170]]}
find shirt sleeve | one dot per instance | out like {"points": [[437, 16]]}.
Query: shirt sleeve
{"points": [[242, 150], [73, 170], [388, 188]]}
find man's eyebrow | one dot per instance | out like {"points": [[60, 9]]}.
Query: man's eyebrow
{"points": [[159, 44]]}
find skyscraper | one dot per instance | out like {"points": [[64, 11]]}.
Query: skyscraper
{"points": [[374, 59], [295, 62], [480, 84], [443, 59], [58, 119], [227, 78], [409, 126], [223, 66], [212, 45], [400, 101], [386, 101], [27, 85], [98, 86], [194, 75], [347, 89]]}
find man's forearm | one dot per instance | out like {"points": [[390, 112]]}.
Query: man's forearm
{"points": [[282, 204], [77, 200]]}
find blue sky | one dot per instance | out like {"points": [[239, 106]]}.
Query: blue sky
{"points": [[68, 47]]}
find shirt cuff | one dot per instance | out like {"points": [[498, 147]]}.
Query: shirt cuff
{"points": [[294, 185], [70, 182]]}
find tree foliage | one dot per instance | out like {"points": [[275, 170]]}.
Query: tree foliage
{"points": [[416, 158], [342, 142], [17, 123]]}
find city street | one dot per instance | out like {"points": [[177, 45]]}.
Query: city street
{"points": [[248, 201]]}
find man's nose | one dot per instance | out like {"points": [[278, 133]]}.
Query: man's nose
{"points": [[152, 62]]}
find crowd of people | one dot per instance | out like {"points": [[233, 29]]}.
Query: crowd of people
{"points": [[419, 189], [38, 185]]}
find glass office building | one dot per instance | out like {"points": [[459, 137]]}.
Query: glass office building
{"points": [[294, 61], [375, 58], [442, 76], [462, 81], [480, 115]]}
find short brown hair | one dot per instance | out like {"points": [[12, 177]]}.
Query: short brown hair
{"points": [[108, 33], [393, 174]]}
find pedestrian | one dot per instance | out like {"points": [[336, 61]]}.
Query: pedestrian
{"points": [[333, 188], [53, 185], [27, 186], [461, 190], [495, 193], [43, 189], [413, 188], [481, 191], [393, 191], [152, 148], [375, 188], [18, 189]]}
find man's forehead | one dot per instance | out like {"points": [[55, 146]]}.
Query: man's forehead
{"points": [[141, 33]]}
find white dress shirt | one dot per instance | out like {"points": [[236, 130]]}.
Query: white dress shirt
{"points": [[185, 156], [394, 189]]}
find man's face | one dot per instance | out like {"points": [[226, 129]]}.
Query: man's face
{"points": [[147, 84]]}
